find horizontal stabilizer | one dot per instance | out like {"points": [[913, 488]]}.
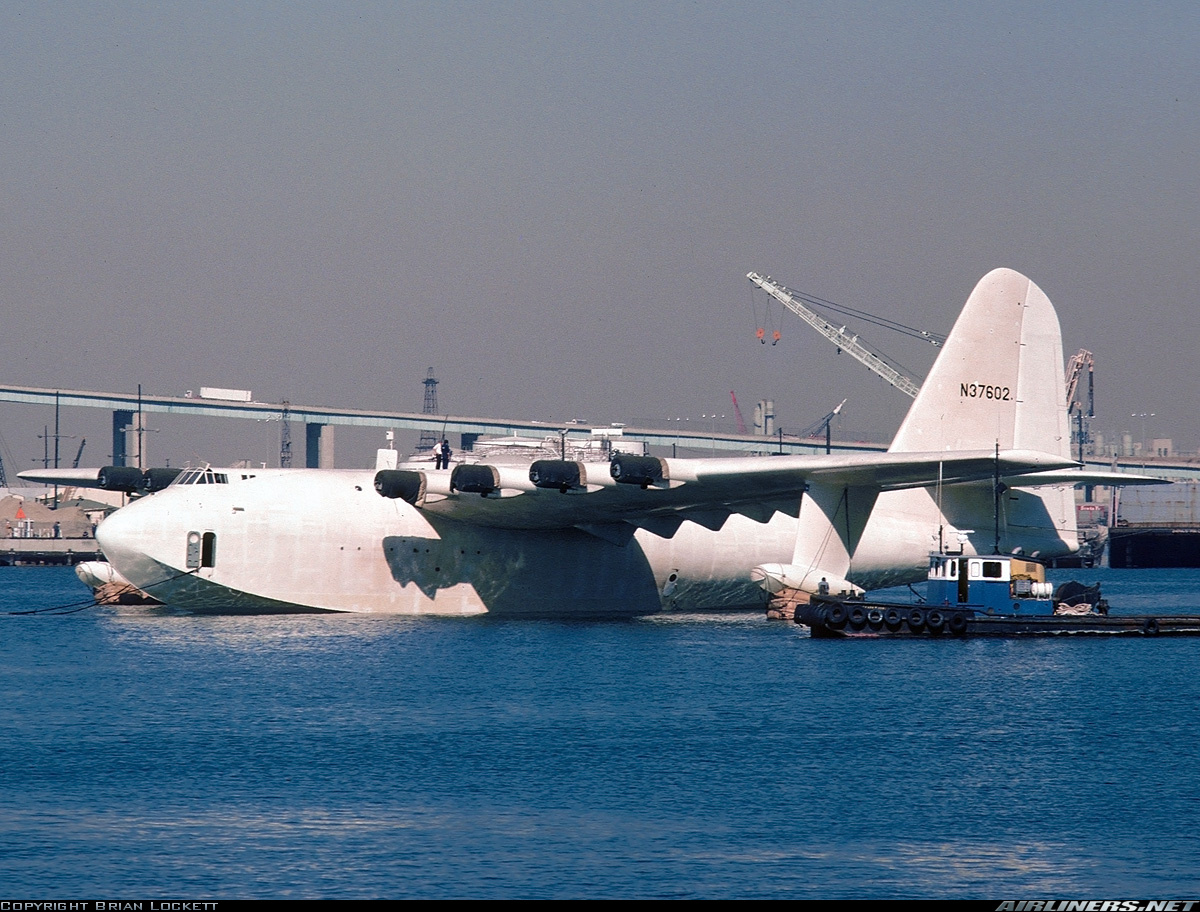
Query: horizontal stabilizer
{"points": [[1082, 477]]}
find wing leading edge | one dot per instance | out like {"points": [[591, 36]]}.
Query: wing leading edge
{"points": [[659, 494]]}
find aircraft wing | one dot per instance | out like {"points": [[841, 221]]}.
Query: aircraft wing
{"points": [[73, 478], [659, 494], [109, 478]]}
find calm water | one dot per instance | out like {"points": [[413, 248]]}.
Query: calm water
{"points": [[149, 754]]}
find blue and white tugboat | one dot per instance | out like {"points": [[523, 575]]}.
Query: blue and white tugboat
{"points": [[985, 595]]}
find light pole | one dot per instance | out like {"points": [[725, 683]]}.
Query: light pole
{"points": [[675, 445], [1143, 416], [713, 418]]}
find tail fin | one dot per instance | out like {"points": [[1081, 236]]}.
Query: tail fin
{"points": [[998, 379]]}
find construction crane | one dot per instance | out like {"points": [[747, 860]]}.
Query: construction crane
{"points": [[737, 414], [79, 453], [1080, 361], [823, 425], [839, 337]]}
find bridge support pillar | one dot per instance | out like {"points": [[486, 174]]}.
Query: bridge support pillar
{"points": [[122, 421], [318, 446]]}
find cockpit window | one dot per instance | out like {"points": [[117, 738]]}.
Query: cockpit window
{"points": [[202, 476]]}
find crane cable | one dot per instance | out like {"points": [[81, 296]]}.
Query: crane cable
{"points": [[766, 323]]}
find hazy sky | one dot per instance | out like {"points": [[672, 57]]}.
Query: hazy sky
{"points": [[555, 204]]}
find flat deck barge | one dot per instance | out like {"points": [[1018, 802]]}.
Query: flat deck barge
{"points": [[829, 617]]}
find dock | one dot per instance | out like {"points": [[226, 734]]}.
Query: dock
{"points": [[44, 552]]}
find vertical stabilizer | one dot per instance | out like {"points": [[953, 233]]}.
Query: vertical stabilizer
{"points": [[998, 379]]}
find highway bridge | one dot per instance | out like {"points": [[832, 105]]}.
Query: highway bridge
{"points": [[319, 421]]}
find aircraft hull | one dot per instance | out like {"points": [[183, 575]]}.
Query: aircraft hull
{"points": [[323, 540]]}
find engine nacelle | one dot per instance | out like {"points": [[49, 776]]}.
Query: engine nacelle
{"points": [[638, 470], [120, 478], [400, 484], [475, 479], [156, 479], [555, 473]]}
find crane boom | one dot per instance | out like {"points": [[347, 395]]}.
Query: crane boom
{"points": [[823, 425], [846, 343], [737, 413], [1080, 361], [826, 425]]}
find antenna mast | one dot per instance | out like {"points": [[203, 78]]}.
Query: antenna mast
{"points": [[428, 439], [285, 437]]}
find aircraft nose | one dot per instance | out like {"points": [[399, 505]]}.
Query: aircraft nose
{"points": [[113, 530], [123, 536]]}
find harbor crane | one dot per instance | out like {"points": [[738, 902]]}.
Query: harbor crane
{"points": [[823, 425], [1081, 361], [737, 414], [844, 341]]}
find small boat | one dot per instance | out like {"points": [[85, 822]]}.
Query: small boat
{"points": [[985, 595]]}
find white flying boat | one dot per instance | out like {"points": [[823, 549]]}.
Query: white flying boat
{"points": [[643, 534]]}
